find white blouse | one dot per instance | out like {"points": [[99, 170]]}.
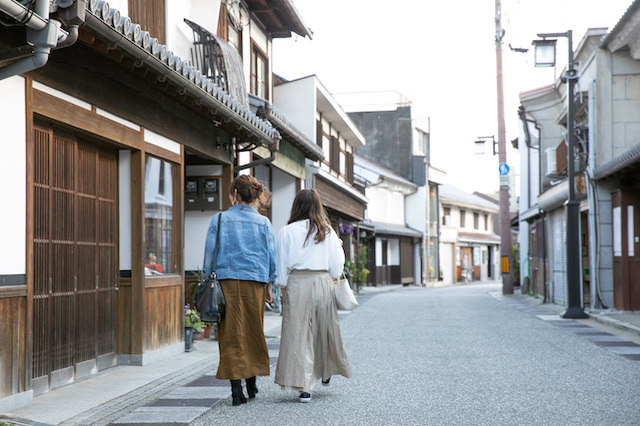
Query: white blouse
{"points": [[292, 253]]}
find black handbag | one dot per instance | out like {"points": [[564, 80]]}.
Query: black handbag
{"points": [[209, 297]]}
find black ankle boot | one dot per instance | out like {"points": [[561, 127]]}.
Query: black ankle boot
{"points": [[236, 392], [252, 388]]}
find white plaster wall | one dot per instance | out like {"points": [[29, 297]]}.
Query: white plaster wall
{"points": [[394, 251], [416, 210], [13, 174], [124, 208], [385, 206], [446, 262], [523, 248], [284, 191], [196, 223], [297, 101], [378, 252], [179, 35]]}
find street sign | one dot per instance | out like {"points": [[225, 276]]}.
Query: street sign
{"points": [[503, 168]]}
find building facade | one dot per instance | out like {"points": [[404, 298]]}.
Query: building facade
{"points": [[395, 142], [393, 247], [312, 109], [606, 174], [469, 246], [119, 146]]}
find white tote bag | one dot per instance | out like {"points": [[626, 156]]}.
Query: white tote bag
{"points": [[345, 299]]}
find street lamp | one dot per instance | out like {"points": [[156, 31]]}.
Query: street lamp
{"points": [[574, 309], [480, 144]]}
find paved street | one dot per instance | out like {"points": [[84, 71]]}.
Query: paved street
{"points": [[460, 355]]}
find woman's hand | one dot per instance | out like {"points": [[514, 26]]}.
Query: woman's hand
{"points": [[269, 292]]}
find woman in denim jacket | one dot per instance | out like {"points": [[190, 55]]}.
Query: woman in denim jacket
{"points": [[246, 268]]}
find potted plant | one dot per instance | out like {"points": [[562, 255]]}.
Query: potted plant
{"points": [[192, 324], [357, 271]]}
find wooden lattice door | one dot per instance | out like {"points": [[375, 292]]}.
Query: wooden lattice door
{"points": [[75, 258]]}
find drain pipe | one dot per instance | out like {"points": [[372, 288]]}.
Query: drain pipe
{"points": [[42, 33], [20, 13]]}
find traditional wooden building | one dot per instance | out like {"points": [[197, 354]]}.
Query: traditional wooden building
{"points": [[117, 147], [393, 247]]}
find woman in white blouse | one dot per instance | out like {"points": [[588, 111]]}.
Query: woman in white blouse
{"points": [[309, 255]]}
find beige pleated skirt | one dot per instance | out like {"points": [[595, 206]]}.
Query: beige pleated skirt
{"points": [[311, 344], [243, 349]]}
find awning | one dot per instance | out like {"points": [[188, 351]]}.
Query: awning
{"points": [[554, 197], [339, 197], [478, 238], [393, 229]]}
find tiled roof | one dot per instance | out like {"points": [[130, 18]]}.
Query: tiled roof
{"points": [[626, 159], [458, 196], [131, 38]]}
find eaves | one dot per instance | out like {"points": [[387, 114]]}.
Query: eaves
{"points": [[627, 159], [268, 111], [190, 86]]}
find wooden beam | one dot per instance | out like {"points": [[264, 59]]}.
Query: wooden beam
{"points": [[137, 314], [31, 153]]}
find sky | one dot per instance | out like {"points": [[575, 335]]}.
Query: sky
{"points": [[441, 55]]}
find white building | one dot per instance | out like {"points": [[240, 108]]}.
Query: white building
{"points": [[468, 242]]}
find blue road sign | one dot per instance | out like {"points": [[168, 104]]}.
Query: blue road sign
{"points": [[503, 168]]}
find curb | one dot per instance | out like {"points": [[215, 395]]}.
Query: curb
{"points": [[615, 323]]}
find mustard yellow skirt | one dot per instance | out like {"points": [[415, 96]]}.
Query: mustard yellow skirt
{"points": [[311, 344], [243, 349]]}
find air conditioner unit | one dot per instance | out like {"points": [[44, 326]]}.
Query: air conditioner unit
{"points": [[552, 168], [447, 220]]}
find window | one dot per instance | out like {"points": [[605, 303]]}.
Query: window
{"points": [[228, 28], [259, 72], [446, 214], [158, 217], [234, 35], [486, 222], [462, 218], [476, 221]]}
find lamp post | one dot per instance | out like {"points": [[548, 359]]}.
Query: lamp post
{"points": [[574, 309]]}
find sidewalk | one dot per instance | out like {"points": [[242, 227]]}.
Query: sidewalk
{"points": [[627, 321], [117, 391], [124, 391]]}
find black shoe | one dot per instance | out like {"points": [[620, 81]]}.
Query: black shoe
{"points": [[252, 388], [236, 393], [326, 382], [305, 397]]}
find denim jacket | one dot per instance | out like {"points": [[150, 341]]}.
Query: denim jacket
{"points": [[247, 246]]}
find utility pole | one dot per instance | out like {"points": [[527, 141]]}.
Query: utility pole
{"points": [[505, 225]]}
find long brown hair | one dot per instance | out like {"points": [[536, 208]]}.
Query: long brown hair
{"points": [[307, 205]]}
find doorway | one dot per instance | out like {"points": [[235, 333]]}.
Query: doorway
{"points": [[75, 272]]}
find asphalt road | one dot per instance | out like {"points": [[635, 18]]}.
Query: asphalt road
{"points": [[455, 356]]}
